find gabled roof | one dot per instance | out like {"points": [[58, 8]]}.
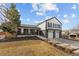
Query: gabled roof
{"points": [[49, 19]]}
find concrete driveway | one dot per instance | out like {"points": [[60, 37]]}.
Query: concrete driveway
{"points": [[72, 42]]}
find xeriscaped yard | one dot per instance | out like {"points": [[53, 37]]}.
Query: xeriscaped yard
{"points": [[29, 47]]}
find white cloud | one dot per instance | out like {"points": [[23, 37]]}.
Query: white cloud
{"points": [[44, 7], [73, 15], [74, 7], [40, 13], [21, 19], [65, 16], [47, 17], [66, 21], [28, 19], [35, 7], [38, 21], [58, 15], [18, 10], [50, 7]]}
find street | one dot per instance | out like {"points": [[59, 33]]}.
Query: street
{"points": [[72, 42]]}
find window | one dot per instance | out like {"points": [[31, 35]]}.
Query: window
{"points": [[49, 24], [56, 26], [59, 26], [53, 25]]}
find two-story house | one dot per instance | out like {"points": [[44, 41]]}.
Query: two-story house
{"points": [[51, 28]]}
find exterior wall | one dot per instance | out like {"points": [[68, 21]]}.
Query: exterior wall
{"points": [[42, 26], [2, 37], [44, 32], [54, 21], [1, 30], [5, 35]]}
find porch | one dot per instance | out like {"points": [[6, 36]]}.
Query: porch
{"points": [[28, 31]]}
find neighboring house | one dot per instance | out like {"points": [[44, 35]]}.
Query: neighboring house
{"points": [[50, 28], [74, 34], [71, 34], [2, 35], [1, 30], [5, 35]]}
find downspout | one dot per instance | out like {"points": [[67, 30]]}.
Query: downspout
{"points": [[46, 31]]}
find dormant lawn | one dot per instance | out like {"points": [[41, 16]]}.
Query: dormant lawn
{"points": [[29, 48]]}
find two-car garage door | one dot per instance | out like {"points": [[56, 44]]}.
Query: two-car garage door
{"points": [[53, 34]]}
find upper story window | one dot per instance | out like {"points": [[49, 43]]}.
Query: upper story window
{"points": [[49, 24], [53, 25], [59, 26], [56, 26]]}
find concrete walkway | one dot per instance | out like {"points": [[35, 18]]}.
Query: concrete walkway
{"points": [[72, 42]]}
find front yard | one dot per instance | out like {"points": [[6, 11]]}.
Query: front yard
{"points": [[29, 48]]}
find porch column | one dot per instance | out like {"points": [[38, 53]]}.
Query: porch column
{"points": [[22, 30], [29, 31], [35, 32]]}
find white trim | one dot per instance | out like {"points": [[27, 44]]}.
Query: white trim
{"points": [[22, 30]]}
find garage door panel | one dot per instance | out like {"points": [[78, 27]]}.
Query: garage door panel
{"points": [[57, 34], [50, 34]]}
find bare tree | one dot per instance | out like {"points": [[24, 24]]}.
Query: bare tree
{"points": [[3, 11]]}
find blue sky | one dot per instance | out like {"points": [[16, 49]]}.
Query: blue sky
{"points": [[33, 13]]}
